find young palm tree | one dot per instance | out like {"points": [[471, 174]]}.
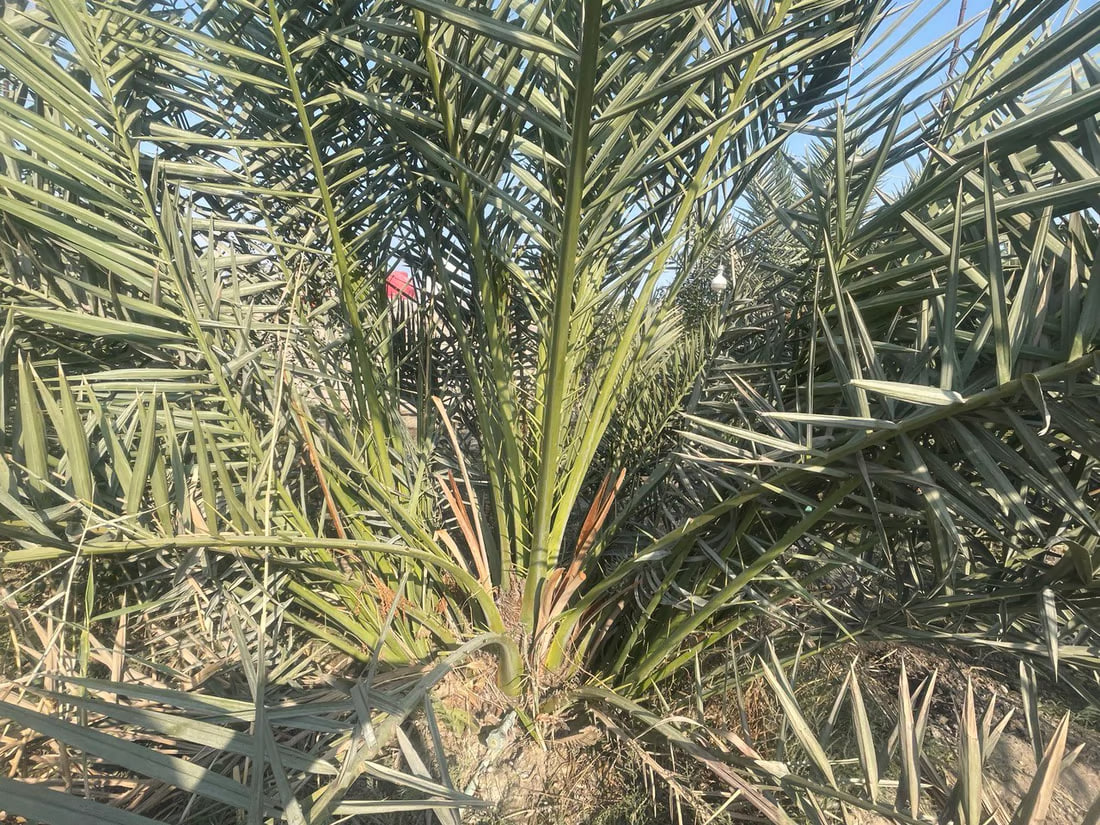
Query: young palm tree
{"points": [[182, 181], [201, 204]]}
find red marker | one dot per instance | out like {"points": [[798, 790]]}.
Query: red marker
{"points": [[399, 285]]}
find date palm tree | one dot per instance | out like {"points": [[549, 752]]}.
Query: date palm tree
{"points": [[202, 205], [199, 207]]}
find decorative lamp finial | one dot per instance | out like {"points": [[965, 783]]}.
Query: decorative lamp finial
{"points": [[719, 284]]}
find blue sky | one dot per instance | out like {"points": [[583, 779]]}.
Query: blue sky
{"points": [[913, 34], [909, 28], [913, 26], [926, 21]]}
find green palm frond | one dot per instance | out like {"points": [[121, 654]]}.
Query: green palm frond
{"points": [[911, 406]]}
